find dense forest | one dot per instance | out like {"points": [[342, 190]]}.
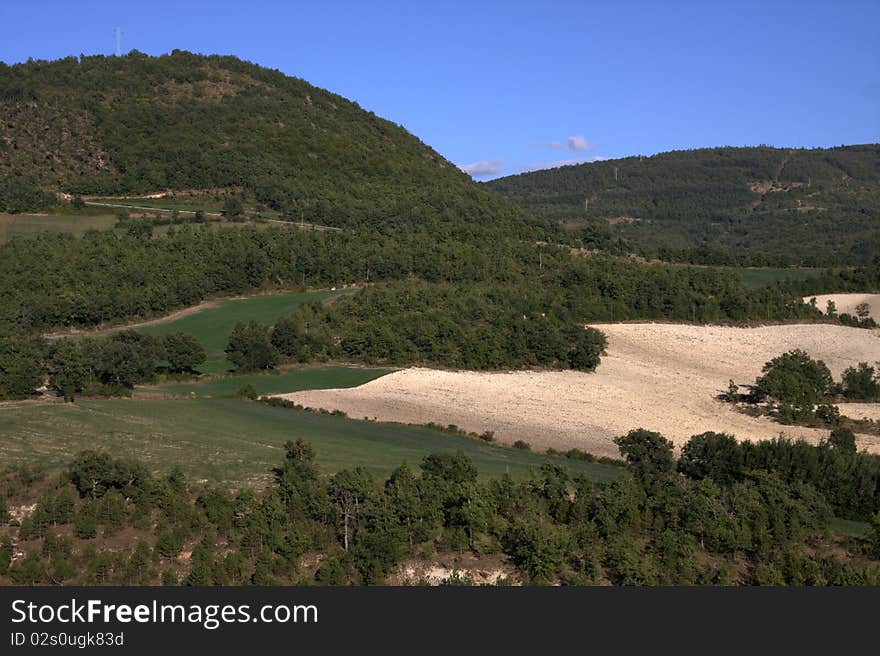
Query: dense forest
{"points": [[732, 206], [482, 326], [722, 513], [446, 303]]}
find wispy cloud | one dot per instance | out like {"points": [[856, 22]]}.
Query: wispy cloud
{"points": [[577, 143], [483, 167], [580, 144], [546, 144]]}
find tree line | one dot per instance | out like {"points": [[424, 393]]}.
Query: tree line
{"points": [[721, 513], [94, 366], [468, 327]]}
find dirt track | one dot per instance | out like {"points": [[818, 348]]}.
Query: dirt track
{"points": [[657, 376], [168, 318]]}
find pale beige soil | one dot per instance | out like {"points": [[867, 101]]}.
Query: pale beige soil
{"points": [[662, 377], [846, 303], [484, 570], [860, 410]]}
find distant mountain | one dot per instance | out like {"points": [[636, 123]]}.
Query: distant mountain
{"points": [[721, 205], [138, 124]]}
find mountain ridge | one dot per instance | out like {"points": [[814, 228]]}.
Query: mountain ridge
{"points": [[770, 205]]}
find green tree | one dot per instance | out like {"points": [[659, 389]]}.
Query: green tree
{"points": [[648, 453], [232, 207], [417, 518], [298, 481], [250, 348], [289, 338], [794, 378], [349, 491], [712, 455], [183, 352], [861, 383], [538, 548], [21, 367], [842, 440]]}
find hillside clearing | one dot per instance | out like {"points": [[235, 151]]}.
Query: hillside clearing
{"points": [[211, 322], [662, 377], [28, 225]]}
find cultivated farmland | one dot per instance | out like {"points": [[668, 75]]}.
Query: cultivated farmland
{"points": [[658, 376], [229, 441]]}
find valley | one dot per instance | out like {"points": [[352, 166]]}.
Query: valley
{"points": [[253, 333]]}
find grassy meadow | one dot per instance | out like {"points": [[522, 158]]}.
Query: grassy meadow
{"points": [[28, 225], [290, 380], [212, 326], [230, 441]]}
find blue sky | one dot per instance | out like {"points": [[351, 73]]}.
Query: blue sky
{"points": [[511, 86]]}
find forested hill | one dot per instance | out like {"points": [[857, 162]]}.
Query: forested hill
{"points": [[721, 205], [138, 124]]}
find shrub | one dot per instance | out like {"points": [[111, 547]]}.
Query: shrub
{"points": [[247, 391]]}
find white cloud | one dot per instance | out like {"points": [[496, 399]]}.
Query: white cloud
{"points": [[483, 167], [580, 144]]}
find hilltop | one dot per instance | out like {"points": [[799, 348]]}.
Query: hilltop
{"points": [[720, 205], [139, 124]]}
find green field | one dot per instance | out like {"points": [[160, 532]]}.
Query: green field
{"points": [[232, 441], [292, 380], [28, 225], [754, 278], [213, 325], [849, 528]]}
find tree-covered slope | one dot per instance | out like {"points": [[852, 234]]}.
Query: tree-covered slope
{"points": [[138, 124], [722, 205]]}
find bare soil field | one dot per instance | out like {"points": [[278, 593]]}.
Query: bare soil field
{"points": [[658, 376], [860, 410], [846, 303]]}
